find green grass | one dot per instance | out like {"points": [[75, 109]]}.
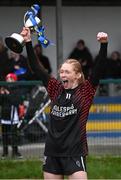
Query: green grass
{"points": [[104, 167], [28, 169], [97, 168]]}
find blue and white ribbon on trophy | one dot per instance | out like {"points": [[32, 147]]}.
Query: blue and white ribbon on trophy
{"points": [[32, 21]]}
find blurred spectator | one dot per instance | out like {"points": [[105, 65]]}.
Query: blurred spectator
{"points": [[111, 70], [113, 66], [42, 58], [10, 100], [18, 65], [83, 55], [4, 59]]}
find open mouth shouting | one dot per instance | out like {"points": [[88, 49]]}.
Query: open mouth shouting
{"points": [[65, 83]]}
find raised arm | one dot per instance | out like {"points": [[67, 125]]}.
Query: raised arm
{"points": [[97, 71], [34, 63]]}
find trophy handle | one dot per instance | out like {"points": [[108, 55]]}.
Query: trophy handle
{"points": [[28, 21]]}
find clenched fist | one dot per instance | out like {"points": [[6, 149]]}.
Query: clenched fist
{"points": [[102, 37]]}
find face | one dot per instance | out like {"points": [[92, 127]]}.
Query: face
{"points": [[68, 76], [80, 46], [38, 50], [115, 56], [10, 80]]}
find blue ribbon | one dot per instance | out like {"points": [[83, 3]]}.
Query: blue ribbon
{"points": [[40, 30]]}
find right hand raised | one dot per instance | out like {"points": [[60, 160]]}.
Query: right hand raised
{"points": [[102, 37], [26, 34]]}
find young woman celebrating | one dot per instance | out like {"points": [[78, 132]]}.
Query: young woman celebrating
{"points": [[71, 98]]}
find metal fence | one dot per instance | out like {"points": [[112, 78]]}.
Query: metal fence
{"points": [[103, 127], [104, 123]]}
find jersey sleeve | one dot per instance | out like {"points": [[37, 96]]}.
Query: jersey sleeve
{"points": [[89, 91], [54, 88], [97, 72], [36, 66]]}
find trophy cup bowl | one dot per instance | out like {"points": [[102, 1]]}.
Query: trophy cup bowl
{"points": [[15, 42]]}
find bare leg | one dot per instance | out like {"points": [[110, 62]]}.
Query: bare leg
{"points": [[52, 176], [78, 175]]}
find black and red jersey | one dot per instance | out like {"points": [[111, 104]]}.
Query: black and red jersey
{"points": [[68, 117], [69, 108]]}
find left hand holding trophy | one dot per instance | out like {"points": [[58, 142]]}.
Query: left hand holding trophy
{"points": [[16, 41]]}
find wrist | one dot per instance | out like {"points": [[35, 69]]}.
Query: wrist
{"points": [[28, 40], [103, 41]]}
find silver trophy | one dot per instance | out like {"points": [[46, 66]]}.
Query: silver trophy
{"points": [[15, 42]]}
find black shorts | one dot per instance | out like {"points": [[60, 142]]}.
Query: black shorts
{"points": [[64, 165]]}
